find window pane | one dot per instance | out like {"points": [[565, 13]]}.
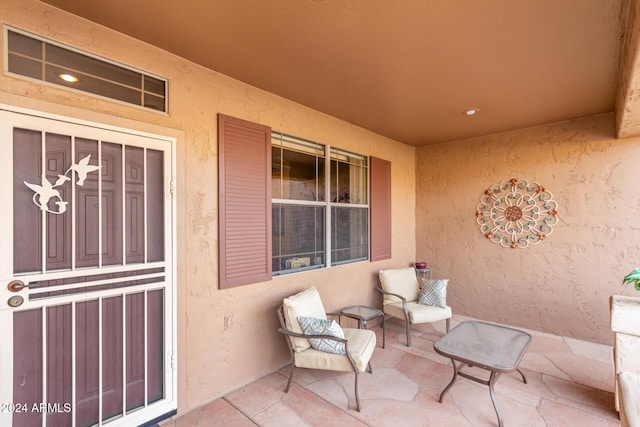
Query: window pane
{"points": [[300, 175], [276, 172], [93, 85], [90, 66], [297, 168], [24, 45], [298, 237], [155, 102], [155, 86], [348, 178], [25, 66], [350, 238], [321, 177]]}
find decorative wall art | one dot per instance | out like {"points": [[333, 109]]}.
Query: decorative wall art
{"points": [[516, 213]]}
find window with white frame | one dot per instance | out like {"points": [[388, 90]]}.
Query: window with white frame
{"points": [[36, 58], [349, 207], [319, 201]]}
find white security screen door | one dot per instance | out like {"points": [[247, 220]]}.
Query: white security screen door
{"points": [[86, 274]]}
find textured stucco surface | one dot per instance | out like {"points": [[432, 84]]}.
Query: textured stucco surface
{"points": [[627, 100], [562, 285], [213, 360]]}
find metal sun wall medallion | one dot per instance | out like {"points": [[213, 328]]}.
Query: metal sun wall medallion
{"points": [[516, 213]]}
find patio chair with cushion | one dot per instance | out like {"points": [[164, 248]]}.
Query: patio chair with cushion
{"points": [[404, 299], [317, 343]]}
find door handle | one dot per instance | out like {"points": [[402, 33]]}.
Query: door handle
{"points": [[16, 286]]}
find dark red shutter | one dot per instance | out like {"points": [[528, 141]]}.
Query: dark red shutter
{"points": [[380, 208], [244, 202]]}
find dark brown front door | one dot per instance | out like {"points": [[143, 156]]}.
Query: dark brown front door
{"points": [[86, 274]]}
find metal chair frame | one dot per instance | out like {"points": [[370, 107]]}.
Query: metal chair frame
{"points": [[406, 313], [289, 334]]}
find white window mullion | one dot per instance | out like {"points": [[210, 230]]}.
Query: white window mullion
{"points": [[327, 209], [124, 204], [368, 193], [146, 349], [315, 211], [100, 379], [73, 364], [43, 213], [74, 203], [100, 237], [281, 169], [318, 178], [280, 213], [124, 354], [44, 363], [144, 193]]}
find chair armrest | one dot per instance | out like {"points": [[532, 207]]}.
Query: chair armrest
{"points": [[403, 299]]}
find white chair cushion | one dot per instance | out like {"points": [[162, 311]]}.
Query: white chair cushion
{"points": [[306, 303], [629, 399], [362, 342], [401, 281], [625, 314], [418, 313]]}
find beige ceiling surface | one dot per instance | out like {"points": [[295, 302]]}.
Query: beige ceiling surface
{"points": [[406, 69]]}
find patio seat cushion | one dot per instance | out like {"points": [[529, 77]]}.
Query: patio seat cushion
{"points": [[418, 313], [625, 314], [629, 399], [308, 304], [361, 343], [401, 281]]}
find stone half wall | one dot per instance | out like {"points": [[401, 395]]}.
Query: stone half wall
{"points": [[563, 284]]}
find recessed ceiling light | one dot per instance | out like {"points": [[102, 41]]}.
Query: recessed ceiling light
{"points": [[68, 78], [471, 112]]}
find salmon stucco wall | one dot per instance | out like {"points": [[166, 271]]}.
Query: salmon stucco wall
{"points": [[563, 284], [225, 338]]}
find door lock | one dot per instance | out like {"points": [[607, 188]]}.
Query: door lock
{"points": [[15, 301]]}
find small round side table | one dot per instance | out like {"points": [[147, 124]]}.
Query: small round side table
{"points": [[362, 314], [423, 273]]}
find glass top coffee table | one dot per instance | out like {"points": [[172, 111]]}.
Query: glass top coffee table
{"points": [[497, 349]]}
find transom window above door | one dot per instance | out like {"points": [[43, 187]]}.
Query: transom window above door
{"points": [[32, 57]]}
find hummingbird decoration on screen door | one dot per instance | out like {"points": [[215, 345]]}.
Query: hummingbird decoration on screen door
{"points": [[45, 193]]}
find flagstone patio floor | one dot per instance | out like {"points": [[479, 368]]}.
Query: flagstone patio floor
{"points": [[570, 383]]}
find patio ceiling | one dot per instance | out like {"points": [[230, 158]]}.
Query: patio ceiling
{"points": [[407, 69]]}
